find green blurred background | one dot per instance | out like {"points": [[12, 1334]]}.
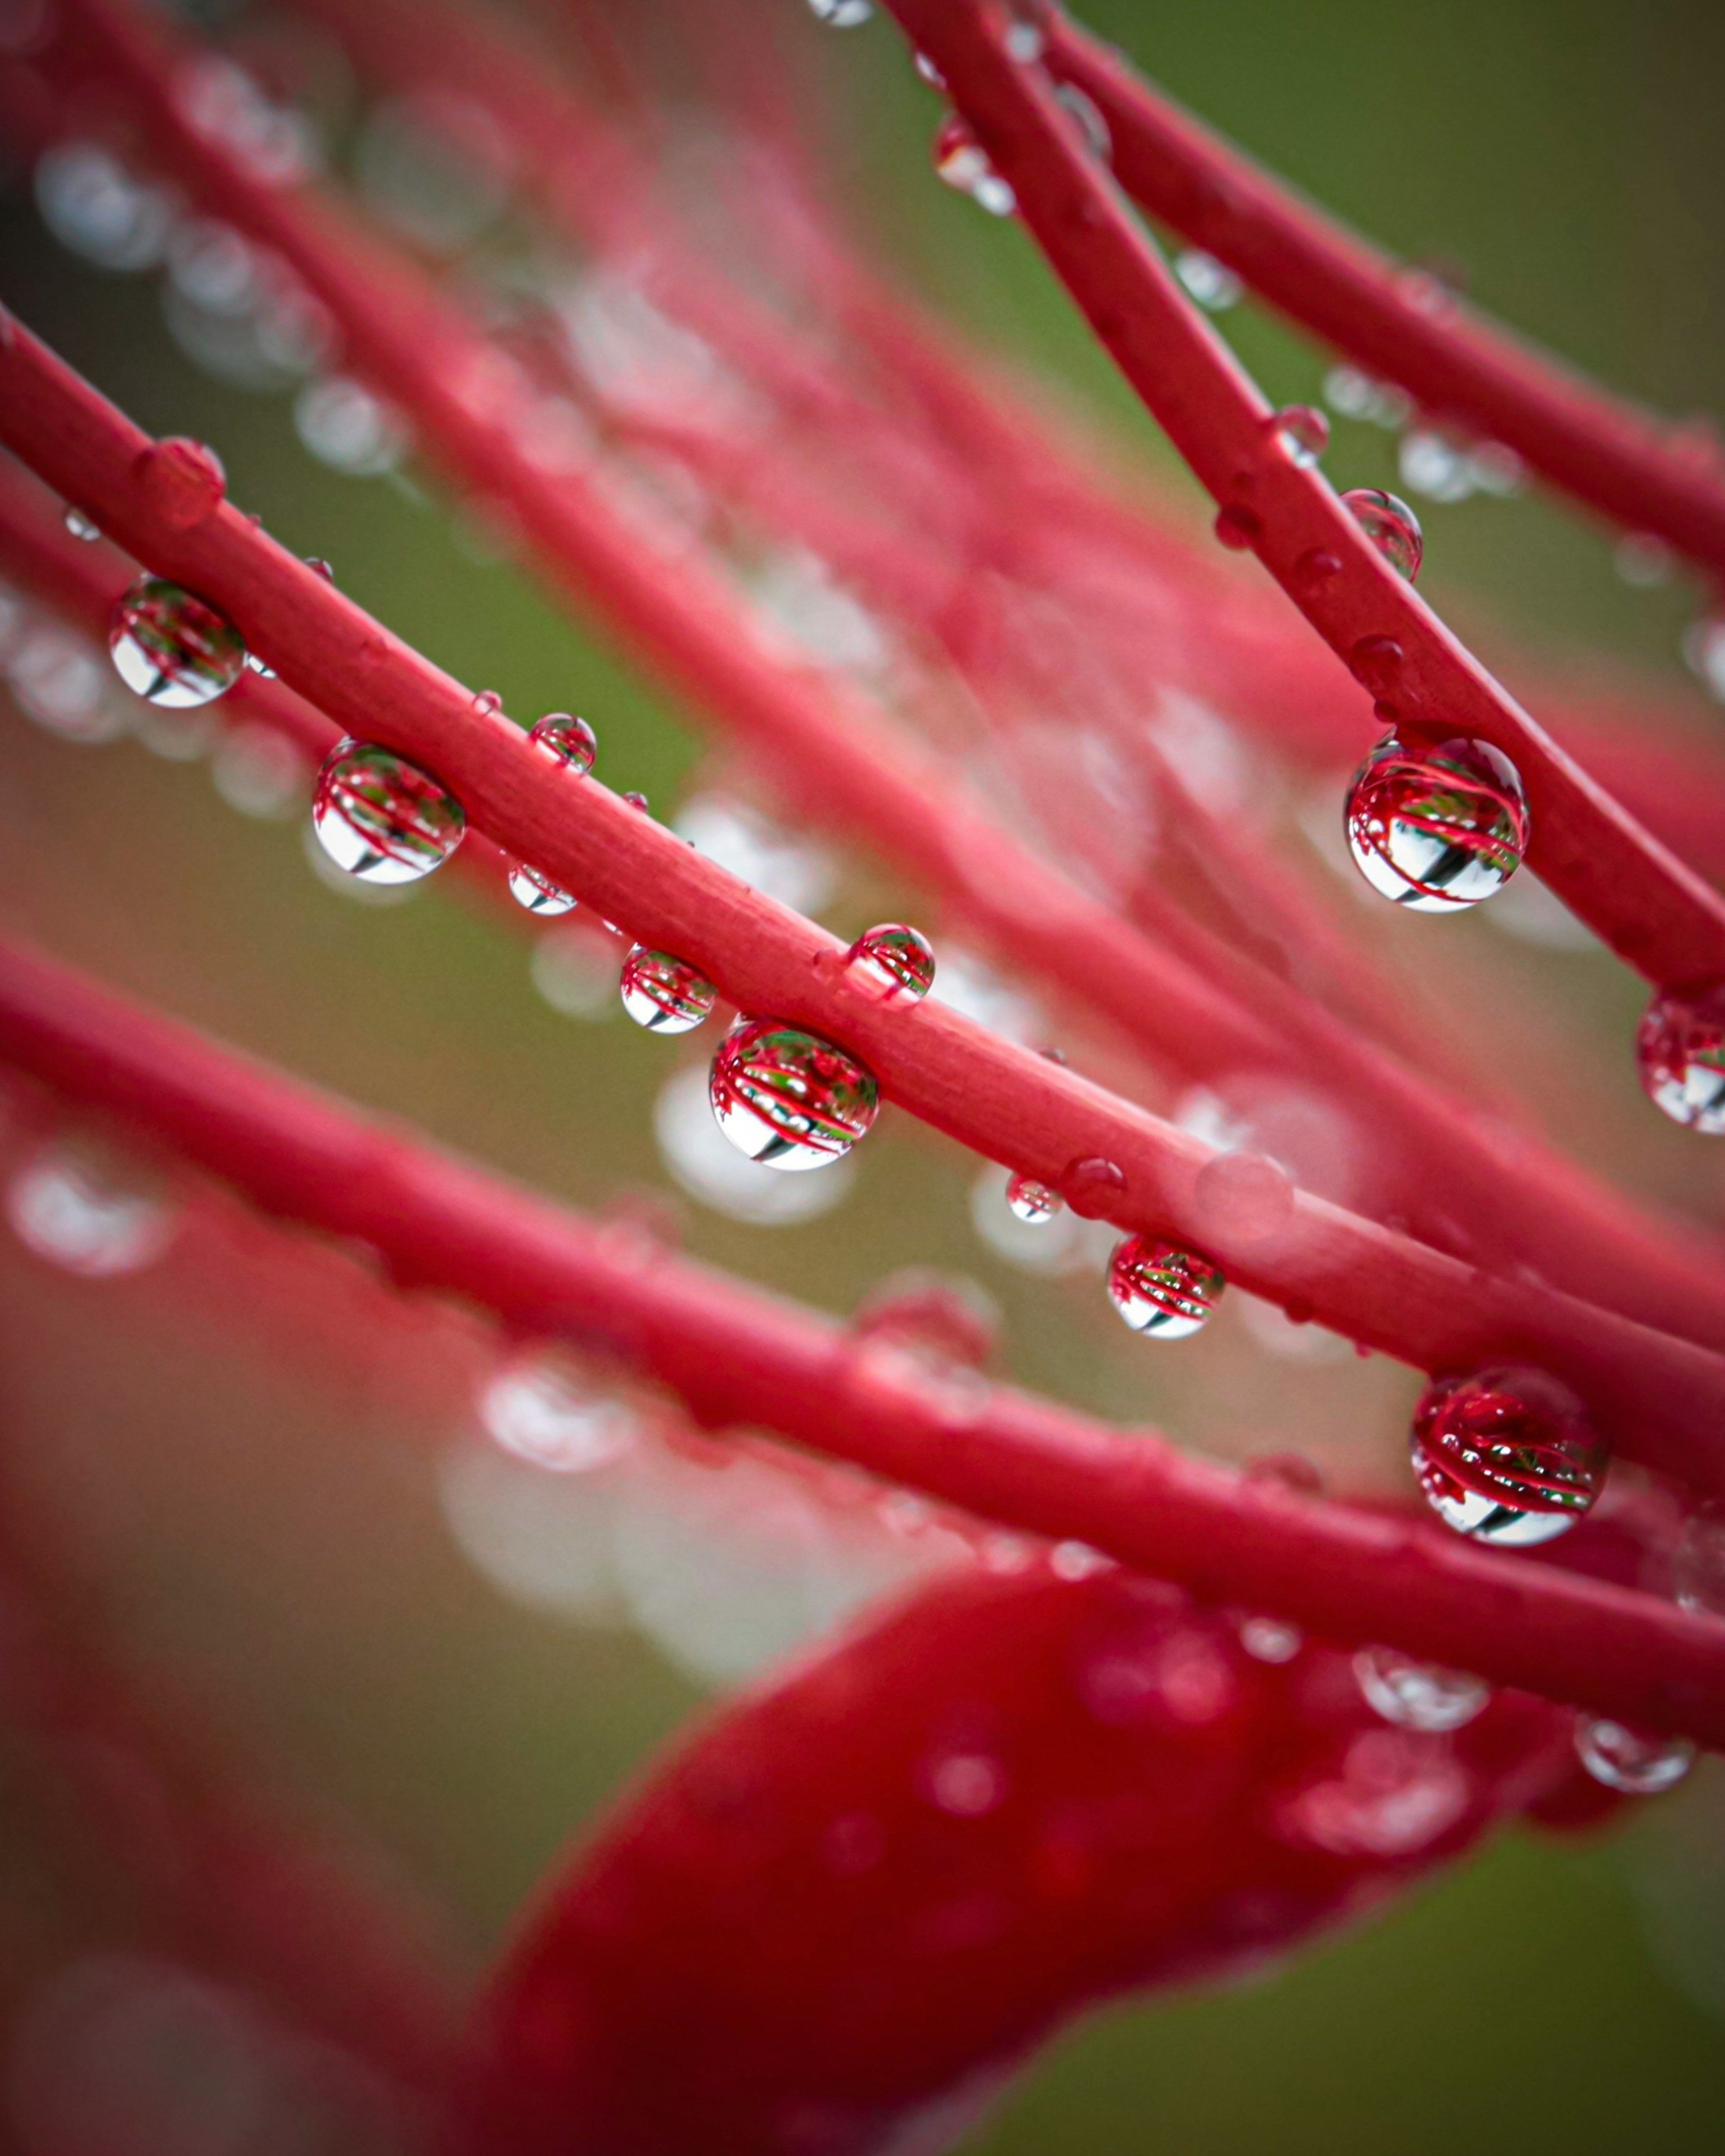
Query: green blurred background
{"points": [[250, 1514]]}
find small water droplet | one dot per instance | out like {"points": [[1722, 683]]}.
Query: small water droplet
{"points": [[1073, 1561], [80, 525], [182, 481], [320, 568], [1699, 1573], [545, 1409], [1680, 1055], [258, 667], [896, 958], [962, 163], [1303, 432], [1243, 1197], [1033, 1202], [487, 703], [788, 1099], [1238, 527], [1508, 1456], [1638, 1763], [88, 1212], [566, 740], [1315, 568], [172, 648], [1270, 1639], [1417, 1695], [1160, 1290], [1391, 525], [1374, 662], [1214, 286], [1087, 116], [1091, 1186], [382, 819], [841, 14], [664, 993], [537, 893], [637, 801], [1437, 829], [929, 72]]}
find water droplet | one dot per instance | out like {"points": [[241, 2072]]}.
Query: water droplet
{"points": [[1212, 283], [1417, 1695], [1303, 432], [95, 1215], [1024, 40], [567, 741], [344, 426], [1270, 1639], [841, 14], [1073, 1561], [1315, 567], [537, 893], [487, 703], [382, 819], [1238, 527], [1679, 1053], [962, 163], [1243, 1197], [788, 1099], [1437, 829], [182, 480], [1704, 653], [172, 647], [1091, 1186], [79, 526], [91, 204], [257, 666], [664, 993], [1391, 525], [547, 1412], [1699, 1573], [898, 959], [1087, 116], [1641, 560], [1374, 662], [1032, 1201], [320, 568], [1508, 1456], [1435, 465], [1162, 1291], [639, 801], [1638, 1763]]}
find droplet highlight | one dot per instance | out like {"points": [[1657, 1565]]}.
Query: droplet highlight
{"points": [[842, 14], [1303, 432], [961, 160], [79, 526], [1417, 1695], [171, 648], [1680, 1058], [786, 1098], [1637, 1762], [1160, 1290], [1437, 829], [895, 957], [1508, 1456], [1391, 525], [382, 819], [89, 1214], [665, 994], [565, 740]]}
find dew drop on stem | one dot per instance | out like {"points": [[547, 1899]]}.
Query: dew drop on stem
{"points": [[895, 958], [172, 648], [1033, 1202], [1679, 1057], [1437, 829], [1416, 1695], [1508, 1456], [664, 993], [1391, 525], [1160, 1290], [567, 741], [536, 892], [961, 160], [786, 1098], [1636, 1762], [382, 819]]}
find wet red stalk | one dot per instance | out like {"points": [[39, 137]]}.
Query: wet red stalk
{"points": [[1658, 917], [1402, 325], [1657, 1397], [737, 1356]]}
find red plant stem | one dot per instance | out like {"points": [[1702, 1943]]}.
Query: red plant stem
{"points": [[1654, 913], [1621, 461], [846, 761], [1657, 1396], [739, 1356]]}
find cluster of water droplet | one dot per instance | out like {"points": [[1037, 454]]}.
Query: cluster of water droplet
{"points": [[1508, 1456]]}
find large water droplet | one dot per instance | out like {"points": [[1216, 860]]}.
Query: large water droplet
{"points": [[92, 1214], [542, 897], [1437, 829], [664, 993], [79, 526], [172, 647], [1417, 1695], [566, 740], [788, 1099], [382, 819], [1679, 1053], [962, 163], [1508, 1456], [898, 959], [841, 14], [1639, 1763], [1303, 432], [1391, 525], [1698, 1571], [1162, 1291], [1032, 1201]]}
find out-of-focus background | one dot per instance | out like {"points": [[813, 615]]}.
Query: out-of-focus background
{"points": [[273, 1481]]}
